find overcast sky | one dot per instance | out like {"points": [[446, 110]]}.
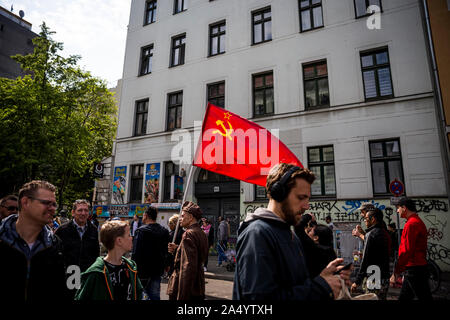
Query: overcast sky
{"points": [[94, 29]]}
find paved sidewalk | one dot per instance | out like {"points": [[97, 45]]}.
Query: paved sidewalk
{"points": [[215, 272]]}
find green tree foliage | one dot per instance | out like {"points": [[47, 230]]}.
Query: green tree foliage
{"points": [[56, 122]]}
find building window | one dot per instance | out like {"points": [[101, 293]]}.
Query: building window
{"points": [[216, 93], [170, 176], [321, 162], [386, 163], [260, 193], [263, 98], [217, 38], [140, 124], [146, 60], [315, 77], [175, 102], [137, 179], [362, 5], [179, 6], [178, 49], [150, 12], [311, 16], [376, 73], [262, 25]]}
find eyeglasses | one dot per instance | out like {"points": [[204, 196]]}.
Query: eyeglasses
{"points": [[11, 208], [47, 203]]}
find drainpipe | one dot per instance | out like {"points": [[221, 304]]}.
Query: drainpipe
{"points": [[442, 131]]}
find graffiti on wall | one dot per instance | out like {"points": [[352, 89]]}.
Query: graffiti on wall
{"points": [[433, 212]]}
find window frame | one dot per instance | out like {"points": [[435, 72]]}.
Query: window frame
{"points": [[218, 35], [310, 8], [208, 98], [258, 198], [264, 88], [149, 10], [183, 6], [385, 159], [367, 5], [167, 182], [148, 58], [316, 78], [182, 47], [262, 22], [375, 67], [133, 179], [178, 110], [322, 164], [136, 114]]}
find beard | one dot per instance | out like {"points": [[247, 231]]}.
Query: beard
{"points": [[291, 217]]}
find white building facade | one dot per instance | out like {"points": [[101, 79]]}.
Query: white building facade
{"points": [[350, 93]]}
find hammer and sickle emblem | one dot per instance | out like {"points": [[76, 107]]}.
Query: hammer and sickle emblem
{"points": [[227, 132]]}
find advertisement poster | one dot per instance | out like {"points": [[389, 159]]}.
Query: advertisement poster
{"points": [[178, 187], [152, 172], [120, 181]]}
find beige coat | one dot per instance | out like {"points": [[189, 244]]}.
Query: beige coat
{"points": [[187, 282]]}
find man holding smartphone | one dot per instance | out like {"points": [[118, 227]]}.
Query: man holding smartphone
{"points": [[270, 262]]}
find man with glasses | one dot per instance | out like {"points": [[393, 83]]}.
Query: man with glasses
{"points": [[8, 206], [32, 267], [79, 237]]}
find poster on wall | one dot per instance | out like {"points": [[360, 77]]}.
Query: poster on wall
{"points": [[120, 181], [178, 187], [152, 172]]}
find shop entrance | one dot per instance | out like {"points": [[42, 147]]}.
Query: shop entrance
{"points": [[219, 195]]}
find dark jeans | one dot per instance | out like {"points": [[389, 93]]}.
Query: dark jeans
{"points": [[415, 284], [153, 288], [221, 247]]}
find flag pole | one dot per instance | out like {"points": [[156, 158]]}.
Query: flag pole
{"points": [[191, 171]]}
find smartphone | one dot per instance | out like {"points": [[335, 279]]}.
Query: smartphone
{"points": [[346, 267]]}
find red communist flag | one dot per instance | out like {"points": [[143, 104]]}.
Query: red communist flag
{"points": [[236, 147]]}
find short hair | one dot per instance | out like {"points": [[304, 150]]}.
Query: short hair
{"points": [[10, 197], [173, 220], [408, 203], [328, 218], [306, 220], [392, 225], [30, 189], [325, 235], [152, 213], [278, 171], [366, 206], [80, 201], [376, 213], [110, 231]]}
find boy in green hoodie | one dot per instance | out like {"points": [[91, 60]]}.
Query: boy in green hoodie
{"points": [[112, 277]]}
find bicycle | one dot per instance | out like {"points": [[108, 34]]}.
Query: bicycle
{"points": [[434, 275]]}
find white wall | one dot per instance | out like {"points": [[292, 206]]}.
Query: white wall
{"points": [[350, 122]]}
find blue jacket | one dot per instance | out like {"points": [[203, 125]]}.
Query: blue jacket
{"points": [[270, 263]]}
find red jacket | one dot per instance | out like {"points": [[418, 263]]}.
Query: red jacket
{"points": [[413, 245]]}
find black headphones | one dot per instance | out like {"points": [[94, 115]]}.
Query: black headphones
{"points": [[278, 190]]}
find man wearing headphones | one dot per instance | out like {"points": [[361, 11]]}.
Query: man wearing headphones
{"points": [[270, 259]]}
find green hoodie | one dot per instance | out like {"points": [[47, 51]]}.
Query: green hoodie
{"points": [[96, 284]]}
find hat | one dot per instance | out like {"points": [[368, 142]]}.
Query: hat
{"points": [[193, 209], [366, 206]]}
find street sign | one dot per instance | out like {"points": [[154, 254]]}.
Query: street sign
{"points": [[98, 170], [397, 188]]}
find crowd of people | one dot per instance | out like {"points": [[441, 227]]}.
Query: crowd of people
{"points": [[282, 252]]}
